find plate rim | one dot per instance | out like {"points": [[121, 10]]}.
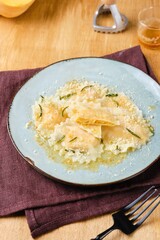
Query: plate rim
{"points": [[31, 162]]}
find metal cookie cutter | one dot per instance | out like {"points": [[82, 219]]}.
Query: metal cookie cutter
{"points": [[120, 21]]}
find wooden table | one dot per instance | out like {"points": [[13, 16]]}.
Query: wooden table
{"points": [[53, 30]]}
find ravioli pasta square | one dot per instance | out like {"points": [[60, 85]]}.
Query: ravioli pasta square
{"points": [[85, 122]]}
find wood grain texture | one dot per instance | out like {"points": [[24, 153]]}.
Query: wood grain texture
{"points": [[51, 31]]}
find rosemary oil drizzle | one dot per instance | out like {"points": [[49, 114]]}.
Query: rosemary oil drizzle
{"points": [[66, 96], [151, 129], [101, 140], [88, 86], [134, 134], [73, 151], [69, 150], [73, 155], [60, 140], [118, 148], [41, 111], [117, 103], [112, 95], [42, 97], [63, 110], [73, 139], [82, 152]]}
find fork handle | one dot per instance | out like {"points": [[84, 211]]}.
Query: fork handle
{"points": [[104, 233]]}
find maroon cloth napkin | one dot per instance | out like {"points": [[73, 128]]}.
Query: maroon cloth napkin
{"points": [[49, 204]]}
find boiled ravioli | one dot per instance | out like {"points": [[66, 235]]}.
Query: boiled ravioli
{"points": [[93, 114], [85, 121], [96, 131], [46, 115], [71, 139]]}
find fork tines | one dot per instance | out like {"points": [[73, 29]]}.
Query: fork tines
{"points": [[125, 219], [146, 196]]}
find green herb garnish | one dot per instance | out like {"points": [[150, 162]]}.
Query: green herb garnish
{"points": [[112, 95], [40, 115], [73, 139], [60, 140], [64, 110], [88, 86], [101, 140], [67, 96], [134, 134], [117, 103], [151, 129], [118, 148], [69, 150], [83, 152], [42, 97]]}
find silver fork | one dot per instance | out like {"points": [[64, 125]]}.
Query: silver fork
{"points": [[125, 220]]}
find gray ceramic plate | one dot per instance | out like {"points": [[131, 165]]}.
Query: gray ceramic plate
{"points": [[122, 77]]}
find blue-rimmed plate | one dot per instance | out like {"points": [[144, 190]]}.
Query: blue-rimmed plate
{"points": [[144, 91]]}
